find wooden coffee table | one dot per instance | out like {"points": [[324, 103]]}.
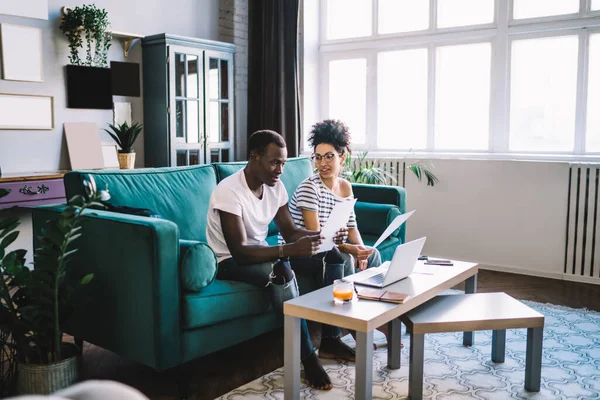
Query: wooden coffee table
{"points": [[364, 316]]}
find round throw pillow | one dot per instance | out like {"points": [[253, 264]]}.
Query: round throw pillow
{"points": [[198, 264]]}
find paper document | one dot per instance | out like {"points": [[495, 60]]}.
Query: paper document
{"points": [[425, 270], [399, 220], [337, 219]]}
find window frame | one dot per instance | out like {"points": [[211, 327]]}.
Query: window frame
{"points": [[501, 34]]}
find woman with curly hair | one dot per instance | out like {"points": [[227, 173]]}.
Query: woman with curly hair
{"points": [[316, 196], [313, 202]]}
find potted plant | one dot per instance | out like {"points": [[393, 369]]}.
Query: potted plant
{"points": [[36, 303], [125, 135], [363, 170], [87, 27], [91, 23]]}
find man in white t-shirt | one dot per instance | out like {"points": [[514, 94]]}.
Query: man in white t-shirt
{"points": [[240, 210]]}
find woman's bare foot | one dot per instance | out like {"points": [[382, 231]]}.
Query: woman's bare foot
{"points": [[315, 375], [336, 349], [384, 329]]}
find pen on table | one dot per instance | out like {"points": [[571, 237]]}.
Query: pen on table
{"points": [[355, 290]]}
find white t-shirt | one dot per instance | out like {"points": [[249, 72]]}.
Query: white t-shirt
{"points": [[234, 196]]}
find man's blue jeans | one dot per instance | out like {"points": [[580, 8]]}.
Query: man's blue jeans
{"points": [[258, 275]]}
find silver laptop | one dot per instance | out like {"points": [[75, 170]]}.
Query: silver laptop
{"points": [[402, 265]]}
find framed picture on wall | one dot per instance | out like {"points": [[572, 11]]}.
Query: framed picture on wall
{"points": [[23, 111], [22, 53]]}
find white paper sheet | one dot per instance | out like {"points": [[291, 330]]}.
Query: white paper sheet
{"points": [[399, 220], [337, 219], [425, 269]]}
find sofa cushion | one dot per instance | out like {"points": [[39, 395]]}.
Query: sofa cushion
{"points": [[178, 194], [225, 169], [198, 264], [374, 218], [223, 301]]}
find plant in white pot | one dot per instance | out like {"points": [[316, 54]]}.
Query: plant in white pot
{"points": [[35, 304], [125, 136]]}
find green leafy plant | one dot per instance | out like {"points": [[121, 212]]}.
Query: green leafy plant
{"points": [[36, 303], [8, 366], [125, 135], [92, 23], [363, 170]]}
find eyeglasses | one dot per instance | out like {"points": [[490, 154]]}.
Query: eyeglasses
{"points": [[327, 157]]}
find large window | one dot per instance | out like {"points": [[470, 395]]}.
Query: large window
{"points": [[463, 76]]}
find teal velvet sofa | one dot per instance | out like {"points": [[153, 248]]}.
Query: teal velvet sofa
{"points": [[154, 298]]}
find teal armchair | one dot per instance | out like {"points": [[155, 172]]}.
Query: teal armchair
{"points": [[155, 298]]}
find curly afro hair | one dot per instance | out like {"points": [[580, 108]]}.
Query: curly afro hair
{"points": [[333, 132]]}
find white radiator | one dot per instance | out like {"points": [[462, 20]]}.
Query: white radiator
{"points": [[582, 250]]}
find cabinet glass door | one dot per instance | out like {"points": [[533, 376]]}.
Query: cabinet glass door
{"points": [[186, 109], [219, 82]]}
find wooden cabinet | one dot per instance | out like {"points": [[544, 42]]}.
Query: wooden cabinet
{"points": [[188, 101], [34, 189]]}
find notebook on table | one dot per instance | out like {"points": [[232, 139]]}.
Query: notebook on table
{"points": [[382, 295]]}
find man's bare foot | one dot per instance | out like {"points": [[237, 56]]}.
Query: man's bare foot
{"points": [[336, 349], [315, 375]]}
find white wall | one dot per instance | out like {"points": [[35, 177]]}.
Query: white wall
{"points": [[27, 151], [508, 215]]}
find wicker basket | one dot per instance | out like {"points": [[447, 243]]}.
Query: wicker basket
{"points": [[126, 160], [46, 379]]}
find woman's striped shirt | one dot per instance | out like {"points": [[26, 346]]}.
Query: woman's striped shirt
{"points": [[312, 194]]}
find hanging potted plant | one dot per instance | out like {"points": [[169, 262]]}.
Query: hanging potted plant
{"points": [[37, 303], [125, 136], [90, 23], [87, 29]]}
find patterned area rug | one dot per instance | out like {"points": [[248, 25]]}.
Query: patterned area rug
{"points": [[570, 369]]}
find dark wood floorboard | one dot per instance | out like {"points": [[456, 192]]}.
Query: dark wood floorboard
{"points": [[219, 373]]}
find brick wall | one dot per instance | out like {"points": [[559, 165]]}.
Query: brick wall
{"points": [[233, 28]]}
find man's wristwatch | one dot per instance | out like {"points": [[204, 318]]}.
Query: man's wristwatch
{"points": [[280, 251]]}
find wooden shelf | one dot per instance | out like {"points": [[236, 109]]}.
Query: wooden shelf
{"points": [[128, 40]]}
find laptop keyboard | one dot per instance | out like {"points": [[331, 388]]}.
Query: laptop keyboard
{"points": [[378, 278]]}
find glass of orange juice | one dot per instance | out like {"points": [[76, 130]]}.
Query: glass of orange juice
{"points": [[343, 291]]}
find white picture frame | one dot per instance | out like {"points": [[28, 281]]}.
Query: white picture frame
{"points": [[22, 53], [110, 156], [83, 143], [27, 112], [121, 113], [30, 9]]}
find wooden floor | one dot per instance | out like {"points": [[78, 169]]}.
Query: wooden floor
{"points": [[226, 370]]}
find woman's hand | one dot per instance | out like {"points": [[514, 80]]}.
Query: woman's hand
{"points": [[362, 264], [360, 253]]}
